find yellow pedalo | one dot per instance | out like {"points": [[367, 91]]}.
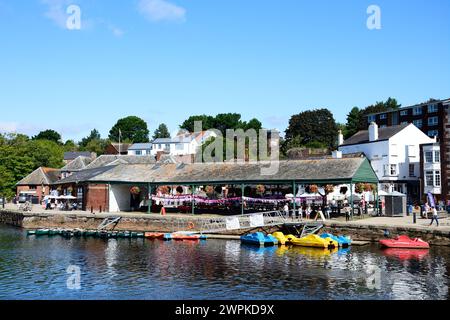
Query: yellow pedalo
{"points": [[282, 239], [313, 240]]}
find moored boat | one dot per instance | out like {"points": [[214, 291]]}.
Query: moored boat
{"points": [[313, 240], [42, 232], [31, 232], [341, 240], [154, 235], [404, 242], [258, 238], [282, 239]]}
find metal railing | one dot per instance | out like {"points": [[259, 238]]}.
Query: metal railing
{"points": [[246, 221]]}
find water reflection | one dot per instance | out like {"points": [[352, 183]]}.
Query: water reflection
{"points": [[35, 268]]}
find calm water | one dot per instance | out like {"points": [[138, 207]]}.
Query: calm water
{"points": [[36, 268]]}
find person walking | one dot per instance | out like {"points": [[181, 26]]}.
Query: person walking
{"points": [[435, 217], [286, 210]]}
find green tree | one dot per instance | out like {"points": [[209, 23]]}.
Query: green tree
{"points": [[161, 132], [94, 135], [97, 145], [45, 153], [380, 106], [6, 183], [313, 126], [353, 123], [225, 121], [133, 129], [252, 124], [50, 135], [70, 146], [208, 122]]}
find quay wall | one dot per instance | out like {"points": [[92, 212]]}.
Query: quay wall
{"points": [[158, 223]]}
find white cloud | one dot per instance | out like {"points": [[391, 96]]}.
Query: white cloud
{"points": [[56, 11], [161, 10]]}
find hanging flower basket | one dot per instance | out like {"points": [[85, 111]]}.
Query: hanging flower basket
{"points": [[260, 189], [359, 188], [163, 189], [313, 188], [209, 190], [135, 190], [329, 188], [368, 187]]}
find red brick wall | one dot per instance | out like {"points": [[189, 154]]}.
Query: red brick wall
{"points": [[97, 197], [38, 190]]}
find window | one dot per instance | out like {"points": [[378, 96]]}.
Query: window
{"points": [[138, 152], [417, 111], [412, 170], [32, 187], [383, 126], [404, 112], [393, 169], [433, 121], [160, 146], [404, 122], [429, 157], [429, 178], [437, 178], [371, 118], [418, 123], [432, 108], [437, 156], [383, 116], [179, 146], [433, 133]]}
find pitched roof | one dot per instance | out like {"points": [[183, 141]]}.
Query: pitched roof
{"points": [[323, 170], [40, 176], [108, 159], [383, 134], [123, 146], [140, 146], [74, 155], [78, 164], [83, 175]]}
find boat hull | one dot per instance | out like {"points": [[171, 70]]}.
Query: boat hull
{"points": [[404, 242], [313, 241]]}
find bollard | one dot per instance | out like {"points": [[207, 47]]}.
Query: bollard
{"points": [[92, 209], [414, 217], [100, 209]]}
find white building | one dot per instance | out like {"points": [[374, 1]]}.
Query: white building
{"points": [[181, 145], [431, 154], [394, 153]]}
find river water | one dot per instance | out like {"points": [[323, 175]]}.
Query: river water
{"points": [[47, 268]]}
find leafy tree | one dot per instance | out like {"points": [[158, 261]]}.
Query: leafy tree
{"points": [[50, 135], [6, 183], [379, 106], [70, 146], [161, 132], [94, 135], [316, 126], [208, 122], [45, 153], [133, 129], [225, 121], [97, 145], [353, 123], [252, 124]]}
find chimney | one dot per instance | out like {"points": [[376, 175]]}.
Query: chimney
{"points": [[340, 138], [373, 132]]}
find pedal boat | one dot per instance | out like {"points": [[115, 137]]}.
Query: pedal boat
{"points": [[259, 239], [404, 242], [154, 235], [282, 239], [314, 241], [342, 241]]}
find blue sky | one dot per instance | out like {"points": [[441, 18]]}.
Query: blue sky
{"points": [[164, 60]]}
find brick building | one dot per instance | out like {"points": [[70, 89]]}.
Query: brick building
{"points": [[433, 118], [38, 184]]}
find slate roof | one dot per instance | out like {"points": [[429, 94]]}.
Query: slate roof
{"points": [[323, 170], [83, 175], [383, 134], [107, 160], [79, 163], [40, 176], [74, 155], [140, 146]]}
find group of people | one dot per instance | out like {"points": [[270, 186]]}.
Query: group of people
{"points": [[307, 211]]}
